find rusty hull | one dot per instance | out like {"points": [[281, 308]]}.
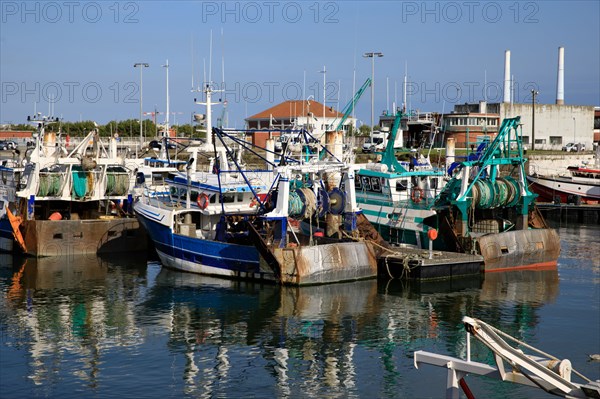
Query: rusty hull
{"points": [[520, 249], [77, 237], [327, 263]]}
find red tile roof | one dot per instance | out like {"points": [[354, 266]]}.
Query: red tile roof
{"points": [[9, 134], [293, 108]]}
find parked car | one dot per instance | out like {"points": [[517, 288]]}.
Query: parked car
{"points": [[157, 145], [8, 145], [574, 147], [368, 146]]}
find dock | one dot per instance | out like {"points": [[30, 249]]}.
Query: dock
{"points": [[421, 264], [584, 212]]}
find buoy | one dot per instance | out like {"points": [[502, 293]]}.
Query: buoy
{"points": [[432, 234], [203, 201], [319, 234], [416, 195], [55, 216]]}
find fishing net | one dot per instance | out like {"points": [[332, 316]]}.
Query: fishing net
{"points": [[80, 183], [117, 184]]}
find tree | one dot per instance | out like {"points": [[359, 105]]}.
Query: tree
{"points": [[364, 130]]}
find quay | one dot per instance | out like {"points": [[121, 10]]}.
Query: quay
{"points": [[584, 212]]}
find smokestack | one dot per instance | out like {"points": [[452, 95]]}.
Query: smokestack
{"points": [[560, 83], [507, 76]]}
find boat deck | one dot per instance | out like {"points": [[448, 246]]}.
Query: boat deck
{"points": [[421, 264]]}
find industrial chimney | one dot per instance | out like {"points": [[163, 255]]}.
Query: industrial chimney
{"points": [[560, 81], [507, 76]]}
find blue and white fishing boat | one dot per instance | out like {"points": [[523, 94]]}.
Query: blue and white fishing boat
{"points": [[294, 223], [191, 224]]}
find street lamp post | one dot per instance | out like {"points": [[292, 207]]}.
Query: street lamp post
{"points": [[372, 55], [533, 94], [324, 72], [574, 129], [141, 65]]}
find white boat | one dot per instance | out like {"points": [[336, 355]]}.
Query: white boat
{"points": [[580, 184], [73, 202], [246, 223]]}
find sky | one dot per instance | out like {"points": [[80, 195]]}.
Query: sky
{"points": [[74, 59]]}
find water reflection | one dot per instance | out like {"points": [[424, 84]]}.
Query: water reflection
{"points": [[80, 322], [67, 309]]}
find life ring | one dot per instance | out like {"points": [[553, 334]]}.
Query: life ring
{"points": [[259, 199], [203, 201], [416, 195]]}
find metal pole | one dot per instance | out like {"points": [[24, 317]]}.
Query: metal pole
{"points": [[372, 55], [574, 129], [533, 94], [324, 95], [141, 108], [372, 93], [141, 65]]}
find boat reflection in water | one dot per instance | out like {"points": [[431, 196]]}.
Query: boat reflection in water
{"points": [[89, 326], [66, 310]]}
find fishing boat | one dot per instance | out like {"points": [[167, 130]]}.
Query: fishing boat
{"points": [[482, 206], [10, 177], [152, 170], [488, 209], [579, 185], [294, 222], [396, 197], [73, 202]]}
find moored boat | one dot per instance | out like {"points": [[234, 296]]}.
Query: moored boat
{"points": [[579, 185], [487, 208], [73, 202], [396, 197], [247, 223]]}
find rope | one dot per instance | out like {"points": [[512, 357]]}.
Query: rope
{"points": [[404, 257], [500, 332], [310, 202]]}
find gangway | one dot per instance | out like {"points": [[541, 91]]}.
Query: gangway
{"points": [[512, 365]]}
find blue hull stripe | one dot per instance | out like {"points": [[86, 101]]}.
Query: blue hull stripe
{"points": [[234, 257]]}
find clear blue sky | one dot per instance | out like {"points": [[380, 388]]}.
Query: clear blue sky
{"points": [[85, 51]]}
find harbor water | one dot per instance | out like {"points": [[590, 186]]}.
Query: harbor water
{"points": [[101, 327]]}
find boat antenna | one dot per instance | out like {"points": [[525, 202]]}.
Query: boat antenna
{"points": [[395, 97], [222, 59], [210, 59], [167, 113], [204, 81], [192, 61], [387, 94], [405, 104]]}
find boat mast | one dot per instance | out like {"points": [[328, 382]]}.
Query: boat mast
{"points": [[167, 117]]}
